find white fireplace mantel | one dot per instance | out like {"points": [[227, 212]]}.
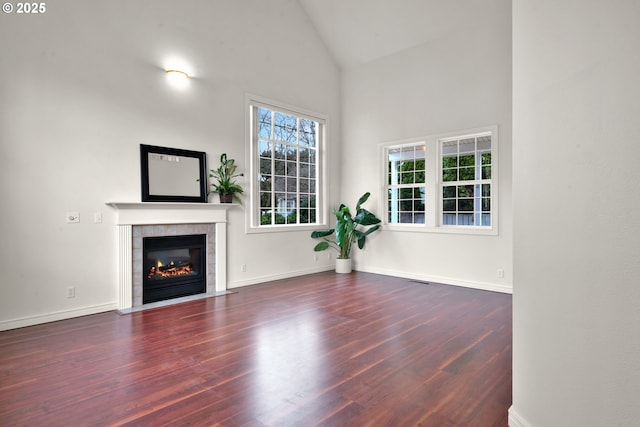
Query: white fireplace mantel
{"points": [[150, 213], [138, 213]]}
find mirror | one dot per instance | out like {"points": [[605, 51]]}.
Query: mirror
{"points": [[173, 175]]}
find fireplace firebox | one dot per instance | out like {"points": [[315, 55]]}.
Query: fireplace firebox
{"points": [[173, 266]]}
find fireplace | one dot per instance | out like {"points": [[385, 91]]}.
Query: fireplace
{"points": [[173, 266], [136, 221]]}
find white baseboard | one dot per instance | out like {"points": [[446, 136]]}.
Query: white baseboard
{"points": [[5, 325], [505, 289], [515, 420], [272, 277]]}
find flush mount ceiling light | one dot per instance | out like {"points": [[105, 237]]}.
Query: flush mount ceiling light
{"points": [[177, 75], [179, 72], [177, 78]]}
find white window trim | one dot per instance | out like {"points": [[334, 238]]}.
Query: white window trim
{"points": [[252, 220], [433, 178]]}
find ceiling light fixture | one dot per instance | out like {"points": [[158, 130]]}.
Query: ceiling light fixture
{"points": [[177, 75]]}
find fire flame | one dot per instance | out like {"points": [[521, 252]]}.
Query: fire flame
{"points": [[170, 270]]}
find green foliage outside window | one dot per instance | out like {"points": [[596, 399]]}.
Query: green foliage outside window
{"points": [[412, 172]]}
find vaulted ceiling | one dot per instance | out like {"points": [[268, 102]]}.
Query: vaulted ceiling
{"points": [[360, 31]]}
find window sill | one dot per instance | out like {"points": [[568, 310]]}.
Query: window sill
{"points": [[285, 228], [421, 228]]}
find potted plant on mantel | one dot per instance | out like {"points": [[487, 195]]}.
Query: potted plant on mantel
{"points": [[224, 183], [347, 233]]}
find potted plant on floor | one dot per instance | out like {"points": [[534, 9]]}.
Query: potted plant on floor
{"points": [[348, 230], [224, 176]]}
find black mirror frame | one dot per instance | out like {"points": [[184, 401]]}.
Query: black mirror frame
{"points": [[144, 170]]}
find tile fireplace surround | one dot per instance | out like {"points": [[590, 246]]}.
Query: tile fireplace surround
{"points": [[167, 219]]}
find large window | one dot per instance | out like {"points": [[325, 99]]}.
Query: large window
{"points": [[466, 180], [285, 180], [406, 184], [442, 183]]}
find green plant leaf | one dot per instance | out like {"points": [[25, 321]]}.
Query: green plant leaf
{"points": [[362, 199], [322, 233], [342, 212], [321, 246], [341, 232], [364, 217]]}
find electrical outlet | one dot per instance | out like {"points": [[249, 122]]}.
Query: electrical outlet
{"points": [[500, 273], [97, 217], [71, 292], [244, 268], [73, 217]]}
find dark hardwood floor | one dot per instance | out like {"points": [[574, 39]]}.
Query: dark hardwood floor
{"points": [[319, 350]]}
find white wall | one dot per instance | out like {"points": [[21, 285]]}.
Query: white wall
{"points": [[576, 292], [459, 81], [82, 85]]}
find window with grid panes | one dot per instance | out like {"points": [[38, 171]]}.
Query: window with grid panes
{"points": [[442, 183], [466, 181], [406, 184], [285, 181]]}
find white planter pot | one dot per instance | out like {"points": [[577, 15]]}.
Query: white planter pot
{"points": [[343, 265]]}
